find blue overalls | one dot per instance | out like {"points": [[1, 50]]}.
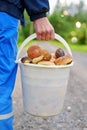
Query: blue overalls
{"points": [[8, 68]]}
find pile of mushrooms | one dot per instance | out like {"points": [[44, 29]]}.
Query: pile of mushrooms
{"points": [[41, 56]]}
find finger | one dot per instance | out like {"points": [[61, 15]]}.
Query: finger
{"points": [[38, 36], [47, 36], [43, 35], [49, 33], [52, 34]]}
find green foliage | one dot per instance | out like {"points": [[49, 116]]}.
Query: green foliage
{"points": [[62, 24], [25, 31], [65, 25]]}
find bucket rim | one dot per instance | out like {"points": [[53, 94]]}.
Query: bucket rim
{"points": [[45, 66]]}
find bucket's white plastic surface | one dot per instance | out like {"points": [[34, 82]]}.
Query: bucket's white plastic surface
{"points": [[44, 87]]}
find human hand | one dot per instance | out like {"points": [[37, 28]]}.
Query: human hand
{"points": [[43, 29]]}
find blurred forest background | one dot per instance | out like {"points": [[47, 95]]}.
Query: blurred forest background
{"points": [[69, 21]]}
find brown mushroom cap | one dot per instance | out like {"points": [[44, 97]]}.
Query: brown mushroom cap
{"points": [[59, 52], [25, 59], [63, 60], [34, 51], [46, 54]]}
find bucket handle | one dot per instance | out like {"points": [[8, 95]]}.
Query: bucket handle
{"points": [[33, 36]]}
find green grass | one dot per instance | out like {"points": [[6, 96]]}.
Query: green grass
{"points": [[73, 46], [78, 47]]}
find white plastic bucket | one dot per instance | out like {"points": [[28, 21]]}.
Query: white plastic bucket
{"points": [[44, 87]]}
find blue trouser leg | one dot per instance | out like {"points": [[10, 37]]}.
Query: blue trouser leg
{"points": [[6, 124], [8, 68]]}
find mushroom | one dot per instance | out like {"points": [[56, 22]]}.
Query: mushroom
{"points": [[59, 52], [34, 51]]}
